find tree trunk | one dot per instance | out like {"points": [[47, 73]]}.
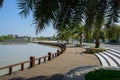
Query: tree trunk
{"points": [[67, 41], [81, 39], [117, 39], [97, 43]]}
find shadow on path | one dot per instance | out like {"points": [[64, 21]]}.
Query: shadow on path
{"points": [[53, 77]]}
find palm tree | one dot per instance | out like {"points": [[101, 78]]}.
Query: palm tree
{"points": [[1, 3], [61, 12], [64, 35], [79, 31]]}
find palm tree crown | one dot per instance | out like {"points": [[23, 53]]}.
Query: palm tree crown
{"points": [[64, 11]]}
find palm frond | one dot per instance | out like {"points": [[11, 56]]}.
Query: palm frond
{"points": [[25, 6], [113, 13], [44, 13], [1, 3]]}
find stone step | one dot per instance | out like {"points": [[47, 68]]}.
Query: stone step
{"points": [[113, 50], [103, 60], [113, 57], [110, 60], [113, 53], [110, 57]]}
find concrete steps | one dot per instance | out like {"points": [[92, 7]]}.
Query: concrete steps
{"points": [[109, 57]]}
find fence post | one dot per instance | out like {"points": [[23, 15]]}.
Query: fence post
{"points": [[58, 52], [32, 61], [39, 61], [45, 59], [62, 50], [10, 70], [49, 56], [53, 56], [22, 67]]}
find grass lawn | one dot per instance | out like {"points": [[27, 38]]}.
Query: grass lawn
{"points": [[103, 75]]}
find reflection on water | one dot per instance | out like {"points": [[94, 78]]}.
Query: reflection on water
{"points": [[14, 53]]}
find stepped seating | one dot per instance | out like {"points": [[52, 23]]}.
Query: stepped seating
{"points": [[110, 57]]}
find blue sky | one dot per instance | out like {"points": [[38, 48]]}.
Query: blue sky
{"points": [[12, 23]]}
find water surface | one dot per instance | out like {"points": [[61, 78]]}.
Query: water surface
{"points": [[14, 53]]}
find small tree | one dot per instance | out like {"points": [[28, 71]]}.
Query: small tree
{"points": [[113, 33], [64, 35], [117, 33], [78, 31]]}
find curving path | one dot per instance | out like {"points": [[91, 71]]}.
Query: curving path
{"points": [[56, 68], [110, 57]]}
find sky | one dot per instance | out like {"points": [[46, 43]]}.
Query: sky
{"points": [[12, 23]]}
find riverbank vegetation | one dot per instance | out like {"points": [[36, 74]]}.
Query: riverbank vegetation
{"points": [[3, 38], [14, 38], [103, 75]]}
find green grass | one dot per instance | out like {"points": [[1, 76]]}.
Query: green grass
{"points": [[103, 75]]}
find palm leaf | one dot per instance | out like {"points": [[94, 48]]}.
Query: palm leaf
{"points": [[44, 13], [1, 3], [25, 6], [113, 13]]}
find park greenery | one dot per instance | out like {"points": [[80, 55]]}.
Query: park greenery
{"points": [[103, 75], [75, 19], [67, 14], [46, 38], [10, 37], [3, 38], [113, 33]]}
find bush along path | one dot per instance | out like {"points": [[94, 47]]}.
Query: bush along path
{"points": [[109, 57]]}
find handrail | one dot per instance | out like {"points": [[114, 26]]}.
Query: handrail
{"points": [[14, 65], [33, 59]]}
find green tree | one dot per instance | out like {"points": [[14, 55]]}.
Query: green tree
{"points": [[61, 12], [117, 33], [2, 38], [64, 35], [113, 33], [78, 31], [42, 38]]}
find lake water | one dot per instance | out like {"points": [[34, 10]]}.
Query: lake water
{"points": [[15, 53]]}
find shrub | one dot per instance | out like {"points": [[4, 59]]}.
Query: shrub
{"points": [[94, 50]]}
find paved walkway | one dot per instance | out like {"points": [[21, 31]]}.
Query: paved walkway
{"points": [[57, 68], [109, 46]]}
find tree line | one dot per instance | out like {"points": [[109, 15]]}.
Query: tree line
{"points": [[112, 35], [2, 38]]}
